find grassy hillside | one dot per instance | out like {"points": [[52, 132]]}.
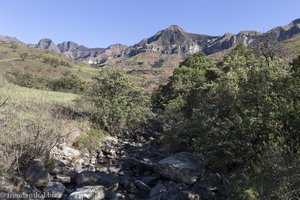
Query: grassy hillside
{"points": [[40, 62]]}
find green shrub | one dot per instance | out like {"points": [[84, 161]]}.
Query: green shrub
{"points": [[231, 113], [67, 84], [118, 102]]}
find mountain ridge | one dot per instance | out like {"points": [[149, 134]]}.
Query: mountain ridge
{"points": [[172, 40]]}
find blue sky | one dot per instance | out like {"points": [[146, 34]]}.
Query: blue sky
{"points": [[97, 23]]}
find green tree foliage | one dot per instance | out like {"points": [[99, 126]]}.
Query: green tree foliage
{"points": [[118, 102], [232, 112]]}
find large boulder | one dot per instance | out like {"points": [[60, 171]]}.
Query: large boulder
{"points": [[88, 192], [183, 167], [96, 178], [36, 174], [55, 189]]}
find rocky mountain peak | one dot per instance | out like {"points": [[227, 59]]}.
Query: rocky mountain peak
{"points": [[67, 45], [296, 21], [176, 28], [172, 40], [47, 43]]}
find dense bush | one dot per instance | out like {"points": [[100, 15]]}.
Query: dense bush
{"points": [[277, 176], [230, 113], [67, 84], [117, 101]]}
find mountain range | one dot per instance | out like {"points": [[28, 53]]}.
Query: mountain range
{"points": [[171, 41]]}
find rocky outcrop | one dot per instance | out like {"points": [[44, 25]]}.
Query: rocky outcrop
{"points": [[113, 51], [48, 44], [122, 168]]}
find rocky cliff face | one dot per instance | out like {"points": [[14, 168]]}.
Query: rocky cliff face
{"points": [[70, 49], [173, 40], [47, 44]]}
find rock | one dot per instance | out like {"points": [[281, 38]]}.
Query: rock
{"points": [[66, 152], [142, 164], [113, 196], [60, 167], [141, 185], [170, 191], [115, 169], [93, 160], [150, 180], [28, 189], [63, 178], [35, 173], [190, 196], [88, 193], [130, 187], [159, 188], [95, 178], [206, 194], [183, 167], [6, 186], [103, 169], [109, 150], [55, 189], [78, 165]]}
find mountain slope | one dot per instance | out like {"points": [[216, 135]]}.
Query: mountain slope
{"points": [[171, 41]]}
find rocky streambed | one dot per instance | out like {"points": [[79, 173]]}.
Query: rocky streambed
{"points": [[122, 168]]}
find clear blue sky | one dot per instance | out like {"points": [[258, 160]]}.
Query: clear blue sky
{"points": [[97, 23]]}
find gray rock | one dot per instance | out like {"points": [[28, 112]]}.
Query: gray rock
{"points": [[141, 185], [150, 180], [88, 193], [95, 178], [48, 44], [60, 167], [55, 189], [115, 169], [35, 173], [130, 187], [113, 196], [6, 185], [63, 178], [184, 167]]}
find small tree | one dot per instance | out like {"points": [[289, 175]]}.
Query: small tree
{"points": [[118, 102]]}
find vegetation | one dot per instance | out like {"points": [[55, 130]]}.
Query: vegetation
{"points": [[241, 115], [158, 63], [67, 84], [235, 111], [29, 127], [117, 101]]}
